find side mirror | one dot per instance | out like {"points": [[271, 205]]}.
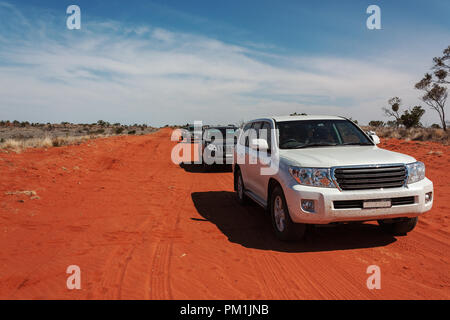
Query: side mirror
{"points": [[376, 139], [259, 144], [372, 135]]}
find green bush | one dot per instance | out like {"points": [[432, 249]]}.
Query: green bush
{"points": [[376, 123], [411, 118]]}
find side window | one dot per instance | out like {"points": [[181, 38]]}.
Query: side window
{"points": [[244, 137], [256, 126], [265, 133], [254, 130]]}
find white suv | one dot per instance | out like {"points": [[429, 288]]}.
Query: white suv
{"points": [[325, 169]]}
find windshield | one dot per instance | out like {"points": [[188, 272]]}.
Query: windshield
{"points": [[317, 133], [219, 133]]}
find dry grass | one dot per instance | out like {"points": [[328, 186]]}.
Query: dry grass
{"points": [[16, 136], [27, 193], [31, 194], [415, 134], [18, 145]]}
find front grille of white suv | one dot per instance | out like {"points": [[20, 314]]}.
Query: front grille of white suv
{"points": [[370, 177]]}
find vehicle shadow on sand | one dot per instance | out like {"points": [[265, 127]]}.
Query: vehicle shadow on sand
{"points": [[198, 168], [251, 227]]}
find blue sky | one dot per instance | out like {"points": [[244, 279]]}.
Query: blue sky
{"points": [[166, 62]]}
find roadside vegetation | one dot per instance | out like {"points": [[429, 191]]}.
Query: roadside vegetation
{"points": [[415, 134], [16, 136], [405, 123]]}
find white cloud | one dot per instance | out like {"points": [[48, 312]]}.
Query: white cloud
{"points": [[144, 74]]}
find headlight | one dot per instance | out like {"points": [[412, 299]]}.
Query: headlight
{"points": [[316, 177], [211, 147], [416, 171]]}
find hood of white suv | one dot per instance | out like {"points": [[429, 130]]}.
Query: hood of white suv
{"points": [[325, 157]]}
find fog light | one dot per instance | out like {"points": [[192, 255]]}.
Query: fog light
{"points": [[428, 197], [308, 205]]}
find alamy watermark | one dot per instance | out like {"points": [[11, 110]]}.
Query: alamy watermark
{"points": [[374, 280], [74, 19], [74, 280], [374, 20]]}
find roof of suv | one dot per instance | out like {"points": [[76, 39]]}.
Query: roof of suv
{"points": [[220, 127], [305, 117]]}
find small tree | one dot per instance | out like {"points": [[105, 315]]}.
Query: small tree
{"points": [[395, 103], [391, 124], [101, 123], [411, 118], [441, 66], [376, 123], [436, 93]]}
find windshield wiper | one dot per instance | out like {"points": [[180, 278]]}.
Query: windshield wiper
{"points": [[289, 147], [356, 144], [317, 145]]}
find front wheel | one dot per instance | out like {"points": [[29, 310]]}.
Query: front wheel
{"points": [[398, 227], [240, 189], [285, 229]]}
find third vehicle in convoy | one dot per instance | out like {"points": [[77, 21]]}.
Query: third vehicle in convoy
{"points": [[329, 170]]}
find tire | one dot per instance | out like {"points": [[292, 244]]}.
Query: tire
{"points": [[240, 189], [285, 229], [398, 227]]}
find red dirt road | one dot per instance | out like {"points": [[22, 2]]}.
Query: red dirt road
{"points": [[141, 227]]}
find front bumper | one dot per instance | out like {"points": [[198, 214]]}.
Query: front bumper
{"points": [[325, 211], [218, 158]]}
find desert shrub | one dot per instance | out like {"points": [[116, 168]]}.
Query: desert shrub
{"points": [[391, 124], [132, 132], [416, 134], [118, 130], [57, 142], [435, 126], [376, 123], [103, 123]]}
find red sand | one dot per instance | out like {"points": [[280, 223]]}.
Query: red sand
{"points": [[141, 227]]}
